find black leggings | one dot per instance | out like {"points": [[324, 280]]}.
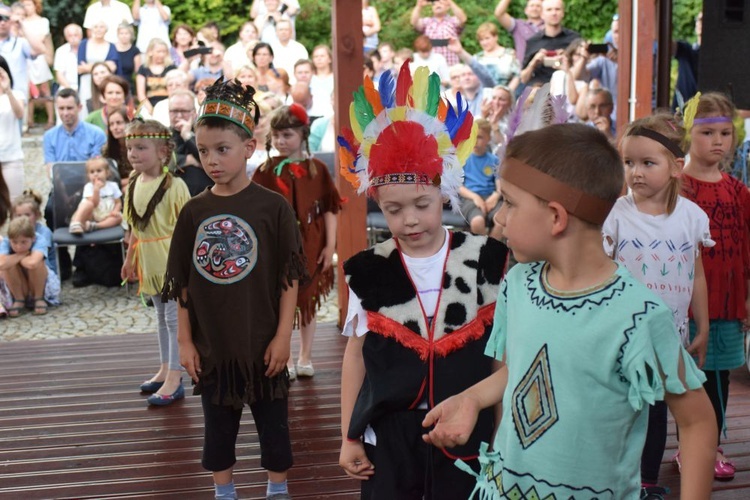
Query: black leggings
{"points": [[717, 388], [656, 440]]}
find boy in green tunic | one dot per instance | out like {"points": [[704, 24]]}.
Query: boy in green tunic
{"points": [[585, 346]]}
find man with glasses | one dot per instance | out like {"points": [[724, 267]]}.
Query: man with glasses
{"points": [[17, 51], [181, 119]]}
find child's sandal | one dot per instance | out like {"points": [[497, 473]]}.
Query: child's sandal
{"points": [[91, 226], [40, 306], [15, 309], [75, 228]]}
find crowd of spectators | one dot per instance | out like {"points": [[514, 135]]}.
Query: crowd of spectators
{"points": [[127, 61]]}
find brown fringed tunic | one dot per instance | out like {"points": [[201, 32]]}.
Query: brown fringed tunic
{"points": [[235, 255], [310, 196]]}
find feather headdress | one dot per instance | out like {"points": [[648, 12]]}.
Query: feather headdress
{"points": [[406, 133]]}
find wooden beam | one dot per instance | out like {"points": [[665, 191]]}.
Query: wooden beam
{"points": [[644, 58], [348, 62], [624, 53]]}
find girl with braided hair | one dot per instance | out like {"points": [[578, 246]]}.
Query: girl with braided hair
{"points": [[153, 201], [307, 185]]}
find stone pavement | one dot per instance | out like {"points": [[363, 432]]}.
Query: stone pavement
{"points": [[97, 310], [92, 310]]}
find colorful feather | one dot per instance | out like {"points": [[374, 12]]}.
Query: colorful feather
{"points": [[534, 117], [515, 116], [689, 114], [362, 109], [372, 95], [354, 122], [387, 90], [433, 95], [559, 109], [403, 85], [418, 90]]}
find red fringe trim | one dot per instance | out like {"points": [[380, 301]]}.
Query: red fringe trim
{"points": [[390, 328], [470, 332]]}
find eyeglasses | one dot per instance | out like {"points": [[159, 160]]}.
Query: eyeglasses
{"points": [[181, 111], [3, 17]]}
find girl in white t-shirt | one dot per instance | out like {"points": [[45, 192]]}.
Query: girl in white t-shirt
{"points": [[658, 235], [101, 205]]}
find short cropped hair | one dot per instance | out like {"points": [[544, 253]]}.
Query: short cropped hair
{"points": [[575, 154], [67, 92]]}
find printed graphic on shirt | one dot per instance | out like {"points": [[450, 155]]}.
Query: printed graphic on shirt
{"points": [[226, 249], [534, 406]]}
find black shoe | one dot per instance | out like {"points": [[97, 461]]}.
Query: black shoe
{"points": [[653, 493], [80, 279]]}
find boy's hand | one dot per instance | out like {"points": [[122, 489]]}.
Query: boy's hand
{"points": [[190, 359], [698, 348], [354, 460], [277, 355], [453, 421], [479, 202], [326, 258]]}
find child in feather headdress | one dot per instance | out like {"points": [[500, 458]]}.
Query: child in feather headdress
{"points": [[307, 185], [421, 303]]}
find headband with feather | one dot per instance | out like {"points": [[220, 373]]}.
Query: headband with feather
{"points": [[406, 133]]}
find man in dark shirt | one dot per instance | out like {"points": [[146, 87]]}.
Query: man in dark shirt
{"points": [[544, 51], [687, 66], [181, 118]]}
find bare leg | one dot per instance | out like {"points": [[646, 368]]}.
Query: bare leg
{"points": [[477, 226], [37, 276], [109, 221], [84, 212], [223, 476], [277, 477], [307, 334], [18, 286]]}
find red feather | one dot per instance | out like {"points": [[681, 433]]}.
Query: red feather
{"points": [[464, 131], [403, 147], [404, 84]]}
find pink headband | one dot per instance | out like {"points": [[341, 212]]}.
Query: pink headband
{"points": [[584, 206]]}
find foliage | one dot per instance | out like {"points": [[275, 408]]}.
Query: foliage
{"points": [[684, 13], [61, 13], [591, 18]]}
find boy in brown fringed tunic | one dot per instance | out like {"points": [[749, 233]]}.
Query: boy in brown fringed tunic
{"points": [[234, 266]]}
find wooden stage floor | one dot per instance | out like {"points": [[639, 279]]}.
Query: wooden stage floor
{"points": [[73, 425]]}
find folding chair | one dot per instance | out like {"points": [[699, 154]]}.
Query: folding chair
{"points": [[68, 180]]}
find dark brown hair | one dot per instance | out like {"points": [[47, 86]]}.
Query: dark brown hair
{"points": [[575, 154]]}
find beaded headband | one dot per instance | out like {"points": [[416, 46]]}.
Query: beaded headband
{"points": [[147, 135], [658, 137], [584, 206], [231, 101]]}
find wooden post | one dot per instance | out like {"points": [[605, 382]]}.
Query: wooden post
{"points": [[348, 62], [641, 62]]}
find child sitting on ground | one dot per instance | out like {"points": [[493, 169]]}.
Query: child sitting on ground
{"points": [[480, 194], [29, 204], [23, 266], [101, 205], [585, 347]]}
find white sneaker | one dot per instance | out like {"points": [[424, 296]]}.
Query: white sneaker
{"points": [[292, 373], [305, 370]]}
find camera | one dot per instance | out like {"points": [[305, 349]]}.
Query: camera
{"points": [[201, 50], [552, 62]]}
